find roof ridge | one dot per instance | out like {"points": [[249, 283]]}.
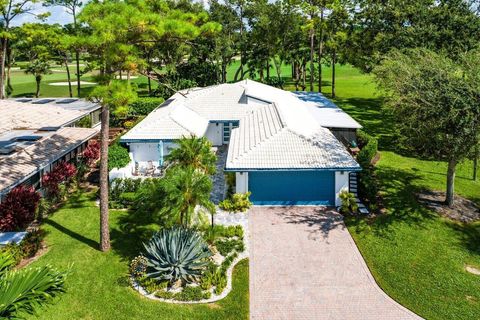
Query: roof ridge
{"points": [[256, 146]]}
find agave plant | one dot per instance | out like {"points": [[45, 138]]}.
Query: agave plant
{"points": [[23, 291], [176, 254]]}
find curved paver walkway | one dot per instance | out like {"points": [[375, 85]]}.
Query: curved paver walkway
{"points": [[305, 265]]}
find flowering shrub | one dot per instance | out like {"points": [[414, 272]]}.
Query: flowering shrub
{"points": [[92, 153], [62, 173], [18, 208]]}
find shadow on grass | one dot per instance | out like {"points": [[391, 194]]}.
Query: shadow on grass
{"points": [[91, 243], [133, 229], [399, 197], [468, 234]]}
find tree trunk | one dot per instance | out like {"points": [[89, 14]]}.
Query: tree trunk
{"points": [[104, 228], [450, 182], [334, 61], [149, 85], [268, 69], [304, 76], [320, 53], [37, 80], [77, 59], [3, 54], [475, 162], [68, 77], [312, 43], [239, 71]]}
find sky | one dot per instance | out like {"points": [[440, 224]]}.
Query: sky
{"points": [[58, 15]]}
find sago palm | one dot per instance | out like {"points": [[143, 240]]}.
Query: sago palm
{"points": [[185, 189], [194, 152], [25, 290]]}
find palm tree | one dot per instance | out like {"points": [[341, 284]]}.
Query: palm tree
{"points": [[194, 152], [38, 68], [22, 291], [185, 189], [115, 97]]}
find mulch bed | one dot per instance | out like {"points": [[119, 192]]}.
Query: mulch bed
{"points": [[26, 261], [463, 210]]}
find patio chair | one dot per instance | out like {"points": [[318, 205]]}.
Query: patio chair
{"points": [[150, 170]]}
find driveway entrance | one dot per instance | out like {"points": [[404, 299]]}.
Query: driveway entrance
{"points": [[305, 265]]}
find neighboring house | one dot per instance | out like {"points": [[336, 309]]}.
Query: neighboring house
{"points": [[36, 134], [276, 147]]}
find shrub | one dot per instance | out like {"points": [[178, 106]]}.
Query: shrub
{"points": [[63, 172], [189, 294], [18, 208], [220, 282], [123, 192], [219, 231], [92, 153], [23, 291], [227, 246], [118, 156], [368, 186], [363, 138], [27, 248], [349, 205], [230, 179], [32, 243], [367, 153], [143, 106], [14, 251], [239, 202], [176, 254], [162, 294]]}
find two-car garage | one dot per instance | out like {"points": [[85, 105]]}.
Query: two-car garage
{"points": [[292, 187]]}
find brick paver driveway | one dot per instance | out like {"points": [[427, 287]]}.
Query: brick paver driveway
{"points": [[305, 265]]}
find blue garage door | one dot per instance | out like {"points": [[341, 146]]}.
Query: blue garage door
{"points": [[292, 187]]}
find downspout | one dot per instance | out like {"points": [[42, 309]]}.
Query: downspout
{"points": [[160, 152]]}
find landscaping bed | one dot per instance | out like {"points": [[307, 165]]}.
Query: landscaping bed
{"points": [[227, 247], [463, 210]]}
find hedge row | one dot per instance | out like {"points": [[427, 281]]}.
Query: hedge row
{"points": [[369, 148]]}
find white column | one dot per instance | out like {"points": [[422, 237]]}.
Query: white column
{"points": [[241, 182], [341, 183]]}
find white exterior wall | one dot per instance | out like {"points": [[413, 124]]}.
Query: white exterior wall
{"points": [[241, 182], [215, 133], [143, 151], [341, 183]]}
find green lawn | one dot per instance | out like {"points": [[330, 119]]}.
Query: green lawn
{"points": [[24, 84], [97, 287], [417, 257]]}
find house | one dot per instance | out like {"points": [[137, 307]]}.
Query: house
{"points": [[276, 147], [35, 134]]}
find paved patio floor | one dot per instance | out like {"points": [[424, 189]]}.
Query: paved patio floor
{"points": [[305, 265]]}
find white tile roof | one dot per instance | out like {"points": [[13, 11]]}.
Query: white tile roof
{"points": [[166, 123], [20, 115], [264, 141], [278, 133], [23, 163]]}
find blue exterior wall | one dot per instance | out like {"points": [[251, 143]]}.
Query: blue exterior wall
{"points": [[292, 187]]}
